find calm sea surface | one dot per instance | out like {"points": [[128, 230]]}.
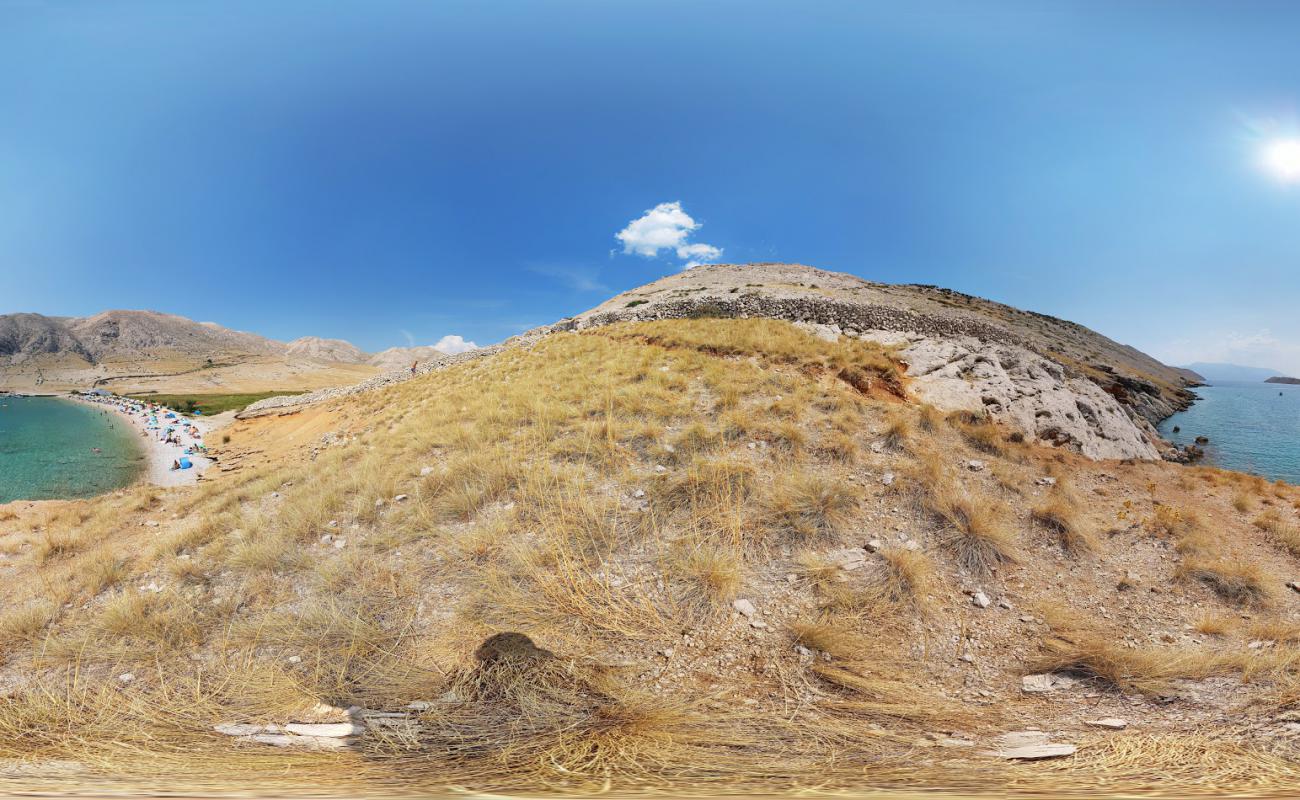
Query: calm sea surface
{"points": [[1253, 427], [47, 450]]}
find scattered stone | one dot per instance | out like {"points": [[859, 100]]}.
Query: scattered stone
{"points": [[1029, 745], [1109, 723], [1046, 682], [126, 677], [849, 559], [309, 742], [401, 498], [1293, 586], [980, 600], [419, 705], [887, 479], [745, 607], [757, 624], [295, 659], [339, 544], [1038, 751], [380, 503], [243, 729], [660, 468], [1129, 581], [639, 493], [874, 545], [334, 523], [1047, 481], [424, 471], [975, 465], [330, 730], [1002, 603], [151, 523]]}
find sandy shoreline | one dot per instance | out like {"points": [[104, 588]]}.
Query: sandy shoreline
{"points": [[159, 455]]}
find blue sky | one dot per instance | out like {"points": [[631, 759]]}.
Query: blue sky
{"points": [[379, 170]]}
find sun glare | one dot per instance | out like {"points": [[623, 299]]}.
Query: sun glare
{"points": [[1282, 159]]}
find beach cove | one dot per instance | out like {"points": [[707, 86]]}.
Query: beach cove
{"points": [[173, 445], [77, 446]]}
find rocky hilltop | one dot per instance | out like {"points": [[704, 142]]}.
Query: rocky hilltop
{"points": [[122, 334], [1057, 381], [315, 347], [402, 357], [1282, 379], [152, 351]]}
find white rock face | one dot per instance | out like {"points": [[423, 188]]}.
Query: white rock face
{"points": [[1021, 388]]}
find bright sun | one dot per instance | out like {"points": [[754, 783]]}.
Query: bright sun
{"points": [[1282, 159]]}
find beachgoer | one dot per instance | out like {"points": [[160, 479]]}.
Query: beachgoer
{"points": [[176, 465]]}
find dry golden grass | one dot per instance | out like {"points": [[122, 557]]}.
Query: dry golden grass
{"points": [[1214, 624], [1084, 649], [809, 507], [1060, 517], [712, 573], [906, 577], [529, 520], [973, 530], [978, 431], [1284, 534], [1236, 581]]}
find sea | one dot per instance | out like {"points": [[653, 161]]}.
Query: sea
{"points": [[1252, 427], [51, 448]]}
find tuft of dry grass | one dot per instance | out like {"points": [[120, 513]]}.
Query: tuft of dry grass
{"points": [[24, 623], [1061, 518], [906, 577], [712, 573], [973, 529], [1236, 581], [1086, 650], [1283, 533], [978, 431], [808, 506]]}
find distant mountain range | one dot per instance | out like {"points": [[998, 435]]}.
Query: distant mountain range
{"points": [[1231, 372], [132, 335]]}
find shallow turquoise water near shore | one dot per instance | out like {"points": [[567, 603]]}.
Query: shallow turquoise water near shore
{"points": [[47, 450], [1253, 427]]}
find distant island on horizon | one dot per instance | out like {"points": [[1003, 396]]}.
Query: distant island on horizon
{"points": [[1218, 371], [1282, 379]]}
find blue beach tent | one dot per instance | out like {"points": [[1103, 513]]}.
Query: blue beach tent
{"points": [[186, 463]]}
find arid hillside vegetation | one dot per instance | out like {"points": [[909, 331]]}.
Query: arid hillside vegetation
{"points": [[745, 558]]}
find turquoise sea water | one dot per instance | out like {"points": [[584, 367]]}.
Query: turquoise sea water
{"points": [[1253, 427], [47, 450]]}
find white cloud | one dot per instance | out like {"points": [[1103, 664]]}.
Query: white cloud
{"points": [[451, 344], [667, 226]]}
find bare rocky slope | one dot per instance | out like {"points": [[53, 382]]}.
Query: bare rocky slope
{"points": [[314, 347], [151, 351], [1057, 381]]}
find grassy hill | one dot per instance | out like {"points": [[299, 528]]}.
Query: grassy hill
{"points": [[744, 559]]}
